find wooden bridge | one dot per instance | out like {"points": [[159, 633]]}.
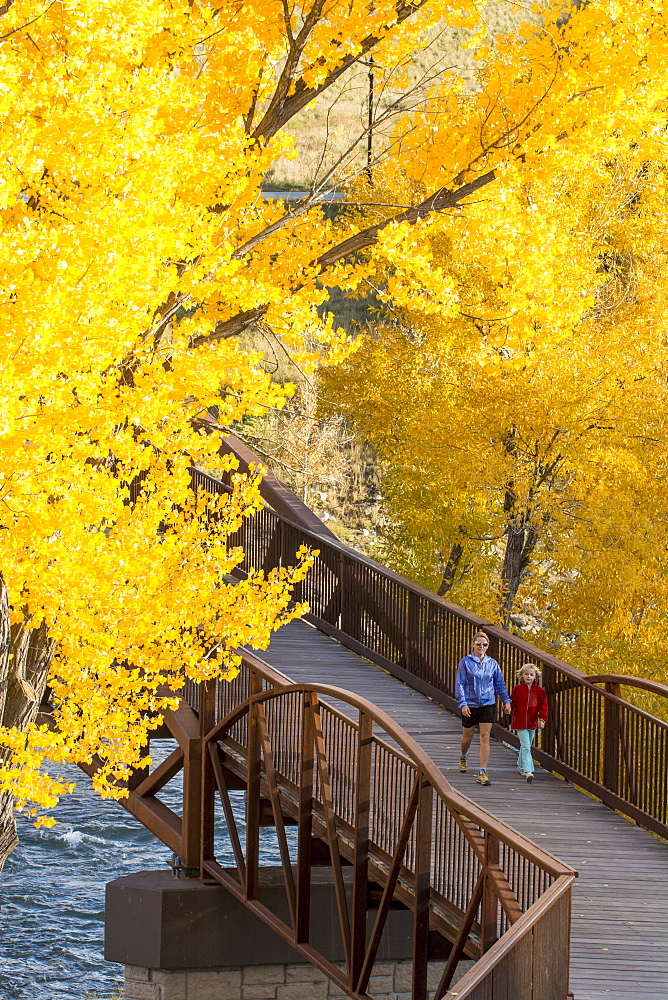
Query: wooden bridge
{"points": [[556, 886]]}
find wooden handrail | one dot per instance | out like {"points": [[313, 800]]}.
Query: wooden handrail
{"points": [[279, 497], [630, 681], [503, 948]]}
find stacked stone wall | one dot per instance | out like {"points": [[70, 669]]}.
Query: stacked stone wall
{"points": [[390, 981]]}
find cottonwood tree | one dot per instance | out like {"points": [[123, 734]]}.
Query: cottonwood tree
{"points": [[524, 441], [136, 245]]}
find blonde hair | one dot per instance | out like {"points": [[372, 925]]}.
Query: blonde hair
{"points": [[480, 635], [527, 666]]}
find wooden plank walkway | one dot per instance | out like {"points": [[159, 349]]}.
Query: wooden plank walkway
{"points": [[619, 939]]}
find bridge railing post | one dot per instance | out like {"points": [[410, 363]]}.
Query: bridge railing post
{"points": [[253, 779], [362, 835], [198, 818], [423, 845], [305, 822], [412, 631], [611, 743], [490, 902], [547, 738], [350, 599]]}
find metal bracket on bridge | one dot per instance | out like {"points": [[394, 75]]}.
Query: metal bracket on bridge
{"points": [[179, 870]]}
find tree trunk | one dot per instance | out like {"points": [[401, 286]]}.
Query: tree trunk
{"points": [[25, 658], [450, 569], [521, 538], [8, 838]]}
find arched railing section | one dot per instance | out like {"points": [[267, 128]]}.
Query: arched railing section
{"points": [[595, 738], [346, 788]]}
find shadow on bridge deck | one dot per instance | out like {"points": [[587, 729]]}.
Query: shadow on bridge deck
{"points": [[619, 939]]}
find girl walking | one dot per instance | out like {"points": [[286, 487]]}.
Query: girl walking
{"points": [[529, 713]]}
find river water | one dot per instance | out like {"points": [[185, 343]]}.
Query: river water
{"points": [[52, 895]]}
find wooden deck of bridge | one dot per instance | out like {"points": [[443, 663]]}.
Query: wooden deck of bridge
{"points": [[619, 939]]}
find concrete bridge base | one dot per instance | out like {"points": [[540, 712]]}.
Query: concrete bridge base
{"points": [[182, 939], [391, 981]]}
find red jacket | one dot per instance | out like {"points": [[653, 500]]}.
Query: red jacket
{"points": [[529, 705]]}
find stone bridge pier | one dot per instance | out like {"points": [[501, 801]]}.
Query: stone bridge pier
{"points": [[182, 939]]}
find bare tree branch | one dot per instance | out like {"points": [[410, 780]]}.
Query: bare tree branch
{"points": [[5, 8], [284, 105]]}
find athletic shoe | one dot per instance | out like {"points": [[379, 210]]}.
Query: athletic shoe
{"points": [[521, 773], [483, 778], [529, 776], [463, 765]]}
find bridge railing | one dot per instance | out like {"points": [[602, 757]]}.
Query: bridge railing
{"points": [[594, 738], [370, 805]]}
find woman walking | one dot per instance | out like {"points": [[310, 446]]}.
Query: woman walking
{"points": [[529, 713], [479, 681]]}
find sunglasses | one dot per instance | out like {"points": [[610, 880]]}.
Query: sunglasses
{"points": [[481, 644]]}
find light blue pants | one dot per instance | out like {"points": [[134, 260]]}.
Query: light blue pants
{"points": [[525, 760]]}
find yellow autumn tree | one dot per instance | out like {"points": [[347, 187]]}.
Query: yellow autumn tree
{"points": [[523, 441], [136, 244]]}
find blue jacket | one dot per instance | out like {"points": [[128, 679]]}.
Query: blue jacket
{"points": [[478, 681]]}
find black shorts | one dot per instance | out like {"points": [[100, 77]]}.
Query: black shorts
{"points": [[485, 713]]}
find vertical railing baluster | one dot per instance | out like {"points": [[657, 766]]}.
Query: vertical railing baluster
{"points": [[305, 821], [611, 735], [422, 888], [490, 902], [199, 788], [411, 649], [361, 858], [254, 774]]}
